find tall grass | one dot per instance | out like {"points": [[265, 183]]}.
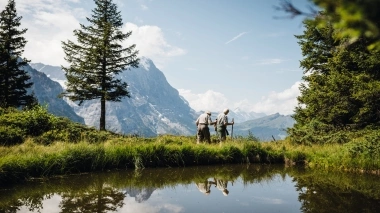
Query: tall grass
{"points": [[61, 147], [33, 160]]}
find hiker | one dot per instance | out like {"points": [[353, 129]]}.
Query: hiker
{"points": [[205, 186], [222, 123], [203, 132]]}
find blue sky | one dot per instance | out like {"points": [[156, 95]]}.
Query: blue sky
{"points": [[217, 53]]}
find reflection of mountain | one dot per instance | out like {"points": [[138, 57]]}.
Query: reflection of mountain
{"points": [[140, 195]]}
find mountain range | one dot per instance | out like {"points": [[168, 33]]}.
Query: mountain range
{"points": [[154, 108], [266, 128], [47, 91]]}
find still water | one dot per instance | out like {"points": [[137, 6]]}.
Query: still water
{"points": [[227, 188]]}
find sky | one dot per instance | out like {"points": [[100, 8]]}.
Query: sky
{"points": [[217, 53]]}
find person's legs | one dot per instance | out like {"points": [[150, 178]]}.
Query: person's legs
{"points": [[199, 135], [207, 135], [222, 134]]}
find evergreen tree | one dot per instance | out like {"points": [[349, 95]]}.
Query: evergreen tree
{"points": [[13, 80], [342, 84], [97, 58]]}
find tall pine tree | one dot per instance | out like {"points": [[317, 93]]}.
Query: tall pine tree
{"points": [[342, 85], [14, 81], [97, 58]]}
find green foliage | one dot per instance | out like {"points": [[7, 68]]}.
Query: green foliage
{"points": [[33, 122], [252, 137], [45, 128], [353, 19], [10, 135], [368, 146], [341, 90], [249, 137], [24, 123], [350, 19], [13, 80], [98, 57]]}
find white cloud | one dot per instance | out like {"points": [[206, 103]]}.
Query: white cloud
{"points": [[276, 102], [236, 37], [210, 100], [283, 102], [150, 42], [49, 22]]}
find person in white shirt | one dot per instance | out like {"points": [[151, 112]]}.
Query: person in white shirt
{"points": [[203, 132], [222, 123]]}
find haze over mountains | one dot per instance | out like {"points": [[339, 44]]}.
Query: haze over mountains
{"points": [[155, 107]]}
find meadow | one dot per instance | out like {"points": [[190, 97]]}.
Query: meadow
{"points": [[35, 144]]}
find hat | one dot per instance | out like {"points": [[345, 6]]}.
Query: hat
{"points": [[208, 112], [226, 110], [225, 192]]}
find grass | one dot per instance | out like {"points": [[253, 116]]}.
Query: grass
{"points": [[65, 148], [33, 160]]}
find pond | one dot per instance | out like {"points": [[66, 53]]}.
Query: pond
{"points": [[220, 188]]}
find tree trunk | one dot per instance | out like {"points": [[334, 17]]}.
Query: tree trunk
{"points": [[102, 125]]}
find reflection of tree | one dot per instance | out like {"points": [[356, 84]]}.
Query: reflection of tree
{"points": [[333, 194], [12, 207], [32, 201], [319, 191], [99, 198]]}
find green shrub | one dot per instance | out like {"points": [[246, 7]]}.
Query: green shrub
{"points": [[49, 137], [10, 135], [32, 122], [94, 136], [368, 146]]}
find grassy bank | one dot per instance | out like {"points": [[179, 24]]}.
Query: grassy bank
{"points": [[32, 160], [35, 144]]}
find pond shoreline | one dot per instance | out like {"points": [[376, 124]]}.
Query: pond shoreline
{"points": [[32, 160]]}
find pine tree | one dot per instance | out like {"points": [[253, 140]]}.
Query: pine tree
{"points": [[97, 58], [342, 84], [14, 81]]}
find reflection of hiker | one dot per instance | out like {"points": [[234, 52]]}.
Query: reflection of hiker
{"points": [[205, 186], [222, 123], [203, 132], [221, 184]]}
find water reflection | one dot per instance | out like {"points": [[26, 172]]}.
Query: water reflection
{"points": [[205, 186], [253, 188]]}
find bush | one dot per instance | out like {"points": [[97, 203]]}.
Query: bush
{"points": [[368, 146], [32, 122], [10, 135]]}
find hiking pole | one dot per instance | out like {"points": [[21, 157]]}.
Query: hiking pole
{"points": [[232, 130]]}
